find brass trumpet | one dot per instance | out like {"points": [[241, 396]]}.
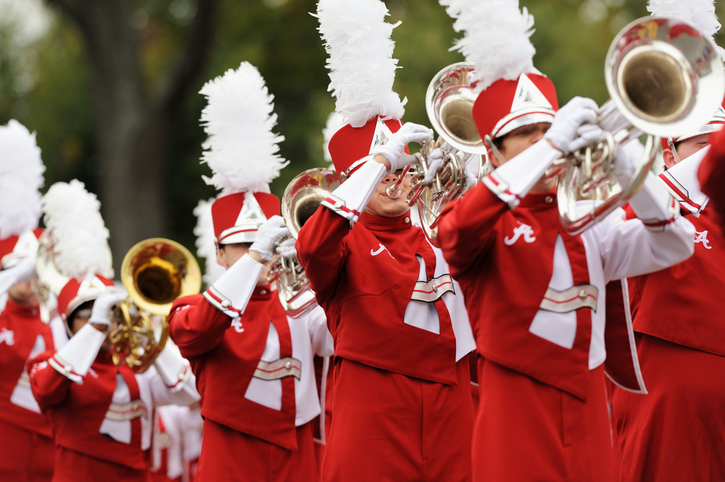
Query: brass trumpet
{"points": [[155, 272]]}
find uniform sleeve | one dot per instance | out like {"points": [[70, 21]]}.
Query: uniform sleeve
{"points": [[49, 387], [182, 394], [321, 250], [628, 248], [712, 174], [196, 326], [320, 336], [466, 226]]}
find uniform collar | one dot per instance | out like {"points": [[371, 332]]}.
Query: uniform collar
{"points": [[20, 310], [382, 223]]}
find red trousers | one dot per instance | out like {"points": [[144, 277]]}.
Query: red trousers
{"points": [[677, 431], [72, 466], [527, 430], [24, 456], [230, 455], [389, 427]]}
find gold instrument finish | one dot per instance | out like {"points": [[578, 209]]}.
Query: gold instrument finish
{"points": [[664, 78], [301, 199], [155, 272]]}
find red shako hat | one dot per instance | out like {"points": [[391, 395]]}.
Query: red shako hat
{"points": [[14, 248], [242, 152], [76, 292]]}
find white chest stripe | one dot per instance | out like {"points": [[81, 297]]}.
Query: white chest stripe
{"points": [[431, 290], [572, 299]]}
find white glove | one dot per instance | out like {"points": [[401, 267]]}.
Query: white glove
{"points": [[267, 237], [624, 167], [287, 249], [435, 160], [110, 297], [394, 149], [587, 134], [575, 113], [23, 271]]}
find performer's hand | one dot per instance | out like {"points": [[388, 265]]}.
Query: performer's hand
{"points": [[624, 166], [267, 237], [24, 270], [568, 119], [587, 134], [394, 149], [106, 301], [287, 249], [435, 161]]}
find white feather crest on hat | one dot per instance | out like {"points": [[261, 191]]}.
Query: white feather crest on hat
{"points": [[241, 150], [335, 122], [698, 13], [77, 232], [362, 67], [21, 175], [205, 245], [496, 38]]}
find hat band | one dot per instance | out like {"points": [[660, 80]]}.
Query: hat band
{"points": [[514, 121]]}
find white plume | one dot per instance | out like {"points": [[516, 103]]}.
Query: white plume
{"points": [[496, 38], [362, 67], [241, 150], [698, 13], [335, 122], [76, 229], [205, 246], [21, 175]]}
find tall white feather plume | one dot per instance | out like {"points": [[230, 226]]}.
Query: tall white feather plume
{"points": [[698, 13], [21, 175], [205, 245], [362, 67], [335, 122], [496, 38], [241, 150], [78, 234]]}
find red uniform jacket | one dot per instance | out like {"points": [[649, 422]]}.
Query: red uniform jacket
{"points": [[683, 304], [504, 280], [364, 278], [224, 358], [712, 176], [22, 336], [76, 412]]}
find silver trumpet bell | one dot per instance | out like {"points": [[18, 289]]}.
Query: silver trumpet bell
{"points": [[449, 103], [301, 199], [664, 77]]}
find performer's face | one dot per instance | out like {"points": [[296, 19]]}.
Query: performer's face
{"points": [[228, 254], [80, 317], [516, 142], [685, 149], [381, 204], [23, 294]]}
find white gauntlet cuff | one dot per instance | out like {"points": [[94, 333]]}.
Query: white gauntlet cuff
{"points": [[654, 205], [75, 357], [513, 180], [172, 367], [353, 195], [231, 292], [681, 180]]}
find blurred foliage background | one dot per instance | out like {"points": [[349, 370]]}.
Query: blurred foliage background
{"points": [[46, 83]]}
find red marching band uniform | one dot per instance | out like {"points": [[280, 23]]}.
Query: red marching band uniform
{"points": [[674, 432], [536, 298], [253, 362]]}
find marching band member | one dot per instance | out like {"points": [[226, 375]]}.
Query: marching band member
{"points": [[711, 176], [253, 362], [675, 431], [402, 407], [535, 294], [26, 445], [101, 414]]}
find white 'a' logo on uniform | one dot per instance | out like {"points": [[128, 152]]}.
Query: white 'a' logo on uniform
{"points": [[701, 237], [528, 96], [521, 230], [251, 213]]}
